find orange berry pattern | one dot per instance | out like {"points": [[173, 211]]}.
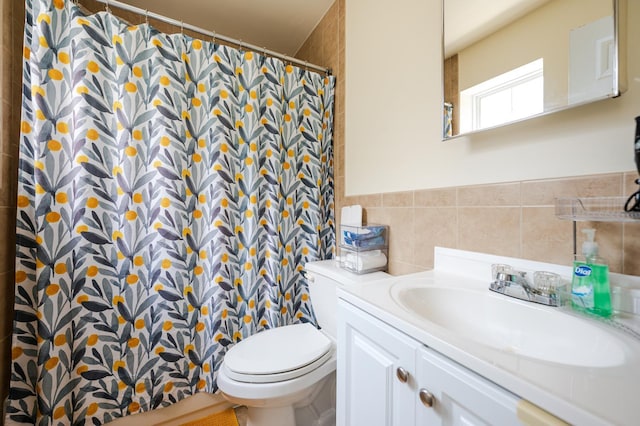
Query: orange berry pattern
{"points": [[170, 192]]}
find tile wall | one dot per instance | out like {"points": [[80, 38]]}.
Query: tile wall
{"points": [[510, 219], [12, 21]]}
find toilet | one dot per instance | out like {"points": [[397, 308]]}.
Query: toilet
{"points": [[285, 376]]}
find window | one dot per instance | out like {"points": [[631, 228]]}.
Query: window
{"points": [[516, 94]]}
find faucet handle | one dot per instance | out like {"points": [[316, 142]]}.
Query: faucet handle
{"points": [[546, 282], [497, 268]]}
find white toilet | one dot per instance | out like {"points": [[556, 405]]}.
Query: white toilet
{"points": [[285, 376]]}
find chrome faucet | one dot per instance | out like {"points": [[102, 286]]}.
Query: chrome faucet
{"points": [[515, 284]]}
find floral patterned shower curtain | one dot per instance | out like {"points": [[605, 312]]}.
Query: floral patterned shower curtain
{"points": [[170, 192]]}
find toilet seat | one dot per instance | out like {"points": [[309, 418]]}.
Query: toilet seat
{"points": [[278, 354]]}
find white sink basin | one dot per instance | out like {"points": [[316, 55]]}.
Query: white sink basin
{"points": [[509, 325]]}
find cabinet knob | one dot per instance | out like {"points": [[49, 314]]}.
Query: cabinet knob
{"points": [[427, 398], [402, 374]]}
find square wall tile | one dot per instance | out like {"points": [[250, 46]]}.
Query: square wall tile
{"points": [[631, 248], [545, 237], [493, 230], [609, 239], [398, 199], [400, 268], [544, 192], [445, 197], [434, 227], [504, 194], [401, 236]]}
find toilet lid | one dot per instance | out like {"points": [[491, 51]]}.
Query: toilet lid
{"points": [[278, 354]]}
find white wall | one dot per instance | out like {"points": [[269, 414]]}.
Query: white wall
{"points": [[393, 113]]}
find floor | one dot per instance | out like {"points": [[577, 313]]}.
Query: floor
{"points": [[192, 408]]}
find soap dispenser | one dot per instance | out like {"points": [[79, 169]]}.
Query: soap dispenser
{"points": [[590, 284]]}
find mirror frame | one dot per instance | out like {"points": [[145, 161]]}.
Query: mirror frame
{"points": [[619, 76]]}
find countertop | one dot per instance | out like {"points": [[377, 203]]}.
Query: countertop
{"points": [[576, 394]]}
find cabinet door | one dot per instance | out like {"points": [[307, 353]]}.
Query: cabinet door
{"points": [[373, 359], [460, 397]]}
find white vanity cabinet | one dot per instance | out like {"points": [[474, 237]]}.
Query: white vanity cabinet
{"points": [[451, 394], [375, 372], [387, 378]]}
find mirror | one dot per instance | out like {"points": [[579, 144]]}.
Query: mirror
{"points": [[510, 60]]}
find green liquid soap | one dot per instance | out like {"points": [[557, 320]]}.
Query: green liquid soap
{"points": [[590, 287], [590, 284]]}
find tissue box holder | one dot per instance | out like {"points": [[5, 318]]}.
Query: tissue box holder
{"points": [[364, 249]]}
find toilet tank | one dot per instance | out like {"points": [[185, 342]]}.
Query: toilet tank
{"points": [[324, 277]]}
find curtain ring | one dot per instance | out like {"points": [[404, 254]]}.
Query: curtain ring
{"points": [[213, 38], [182, 27], [146, 16], [107, 8], [241, 46]]}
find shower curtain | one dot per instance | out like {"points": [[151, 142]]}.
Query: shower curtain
{"points": [[170, 192]]}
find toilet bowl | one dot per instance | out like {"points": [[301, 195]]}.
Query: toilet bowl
{"points": [[286, 376]]}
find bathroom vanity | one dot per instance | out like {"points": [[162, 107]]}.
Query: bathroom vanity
{"points": [[439, 348], [384, 371]]}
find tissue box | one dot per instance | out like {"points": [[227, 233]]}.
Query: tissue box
{"points": [[364, 249], [369, 237]]}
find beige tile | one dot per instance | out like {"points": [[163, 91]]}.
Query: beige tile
{"points": [[376, 215], [338, 160], [6, 132], [631, 249], [6, 304], [434, 227], [330, 32], [8, 181], [341, 62], [315, 46], [303, 53], [5, 362], [493, 230], [6, 72], [7, 239], [401, 236], [609, 239], [339, 191], [629, 185], [546, 238], [503, 194], [340, 98], [435, 197], [544, 192], [11, 173], [330, 16], [397, 268], [397, 199], [341, 29], [338, 129], [7, 23], [370, 200], [330, 60]]}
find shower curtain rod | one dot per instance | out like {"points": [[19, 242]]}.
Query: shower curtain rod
{"points": [[213, 34]]}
